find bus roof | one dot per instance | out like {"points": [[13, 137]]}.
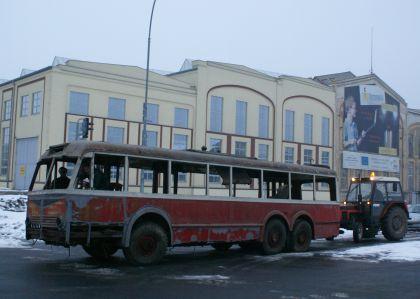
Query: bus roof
{"points": [[82, 147]]}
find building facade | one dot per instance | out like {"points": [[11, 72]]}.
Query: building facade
{"points": [[227, 108], [372, 128], [413, 159]]}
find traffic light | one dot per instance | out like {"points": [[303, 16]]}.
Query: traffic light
{"points": [[86, 127]]}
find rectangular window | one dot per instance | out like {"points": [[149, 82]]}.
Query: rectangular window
{"points": [[79, 103], [216, 114], [308, 128], [289, 154], [240, 148], [307, 156], [263, 123], [289, 133], [151, 138], [24, 106], [115, 135], [325, 158], [263, 151], [302, 186], [116, 108], [180, 142], [241, 114], [325, 131], [152, 113], [7, 110], [410, 176], [215, 145], [72, 131], [5, 151], [36, 102], [181, 118]]}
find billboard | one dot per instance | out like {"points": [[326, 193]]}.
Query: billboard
{"points": [[366, 161], [370, 125]]}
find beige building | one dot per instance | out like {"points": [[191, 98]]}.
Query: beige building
{"points": [[228, 108]]}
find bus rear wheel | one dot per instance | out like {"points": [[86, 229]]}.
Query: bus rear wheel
{"points": [[275, 237], [100, 250], [148, 244], [301, 236]]}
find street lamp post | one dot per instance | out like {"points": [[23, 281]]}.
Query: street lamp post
{"points": [[144, 134]]}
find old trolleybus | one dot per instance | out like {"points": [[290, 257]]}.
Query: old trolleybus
{"points": [[90, 194]]}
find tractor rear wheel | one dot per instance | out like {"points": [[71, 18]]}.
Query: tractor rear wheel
{"points": [[394, 224]]}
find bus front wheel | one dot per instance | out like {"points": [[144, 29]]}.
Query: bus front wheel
{"points": [[275, 237], [148, 244]]}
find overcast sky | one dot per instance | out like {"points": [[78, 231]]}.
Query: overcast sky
{"points": [[302, 38]]}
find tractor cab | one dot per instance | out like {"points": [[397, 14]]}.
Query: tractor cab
{"points": [[372, 204]]}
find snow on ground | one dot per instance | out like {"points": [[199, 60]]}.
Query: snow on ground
{"points": [[12, 221], [406, 251], [415, 217]]}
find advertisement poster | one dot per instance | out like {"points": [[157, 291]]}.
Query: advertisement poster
{"points": [[371, 121], [365, 161]]}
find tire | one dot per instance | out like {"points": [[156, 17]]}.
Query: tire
{"points": [[275, 236], [148, 244], [394, 224], [100, 250], [301, 236], [358, 230], [222, 247]]}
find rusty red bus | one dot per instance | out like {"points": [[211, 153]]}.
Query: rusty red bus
{"points": [[143, 200]]}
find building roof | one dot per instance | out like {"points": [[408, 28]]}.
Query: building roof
{"points": [[330, 79]]}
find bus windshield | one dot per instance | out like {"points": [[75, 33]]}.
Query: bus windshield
{"points": [[53, 174], [365, 189]]}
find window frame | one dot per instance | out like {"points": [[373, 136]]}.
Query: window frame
{"points": [[77, 110], [36, 108], [24, 109], [112, 110], [185, 122]]}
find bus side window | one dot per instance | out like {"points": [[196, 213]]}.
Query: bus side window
{"points": [[325, 188], [147, 175], [302, 186], [219, 180], [188, 178], [108, 172], [276, 184], [246, 182]]}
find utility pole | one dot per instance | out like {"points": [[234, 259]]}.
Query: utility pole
{"points": [[144, 134]]}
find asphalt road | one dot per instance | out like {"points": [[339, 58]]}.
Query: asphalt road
{"points": [[49, 272]]}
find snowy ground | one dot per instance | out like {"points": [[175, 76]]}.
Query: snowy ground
{"points": [[12, 221], [12, 235]]}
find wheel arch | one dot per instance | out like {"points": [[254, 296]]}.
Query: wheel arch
{"points": [[393, 205], [276, 215], [151, 214], [304, 216]]}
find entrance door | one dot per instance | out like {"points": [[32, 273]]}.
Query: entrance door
{"points": [[25, 161]]}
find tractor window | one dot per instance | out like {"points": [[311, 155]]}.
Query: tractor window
{"points": [[380, 192], [394, 191], [365, 190]]}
